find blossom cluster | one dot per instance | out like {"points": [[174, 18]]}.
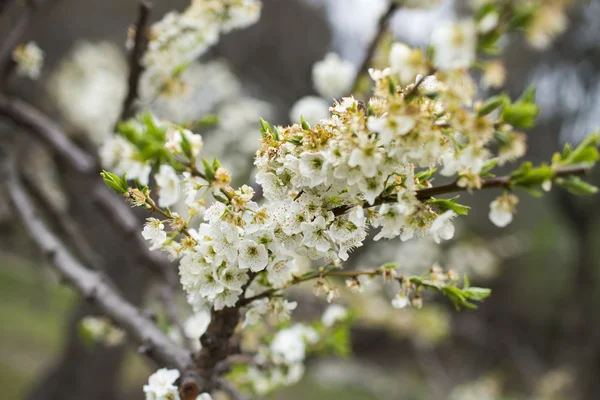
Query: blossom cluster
{"points": [[180, 38], [29, 59], [363, 166]]}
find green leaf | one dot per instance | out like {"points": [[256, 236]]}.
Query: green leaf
{"points": [[585, 152], [521, 115], [576, 186], [116, 183], [264, 127], [305, 125], [425, 175], [450, 204], [477, 293], [487, 167], [276, 134], [528, 95], [526, 176], [493, 103], [208, 121], [209, 171], [186, 146], [389, 266]]}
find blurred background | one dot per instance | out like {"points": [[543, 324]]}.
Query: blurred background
{"points": [[536, 337]]}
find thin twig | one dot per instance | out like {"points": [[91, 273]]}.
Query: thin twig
{"points": [[381, 28], [48, 131], [66, 224], [454, 187], [114, 208], [136, 66], [93, 285]]}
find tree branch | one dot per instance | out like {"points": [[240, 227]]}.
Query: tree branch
{"points": [[136, 67], [114, 208], [66, 224], [48, 131], [428, 193], [381, 27], [93, 285]]}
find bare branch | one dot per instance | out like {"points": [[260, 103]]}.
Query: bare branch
{"points": [[114, 208], [66, 224], [93, 285], [136, 68], [381, 28], [48, 131]]}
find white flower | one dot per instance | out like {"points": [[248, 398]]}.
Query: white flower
{"points": [[214, 212], [368, 158], [29, 59], [196, 325], [389, 127], [154, 233], [253, 255], [371, 188], [442, 228], [392, 220], [454, 44], [175, 139], [290, 343], [241, 14], [281, 271], [333, 314], [161, 385], [502, 209], [312, 108], [233, 277], [227, 298], [314, 167], [406, 62], [316, 234], [257, 309], [208, 285], [204, 396], [333, 77], [168, 186], [400, 301]]}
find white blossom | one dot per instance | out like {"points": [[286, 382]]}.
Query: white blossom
{"points": [[312, 108], [29, 59], [290, 343], [442, 228], [454, 44], [161, 385], [154, 233], [168, 186], [253, 256], [502, 210], [333, 77], [334, 313]]}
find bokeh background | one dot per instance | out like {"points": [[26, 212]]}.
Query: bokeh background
{"points": [[537, 337]]}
